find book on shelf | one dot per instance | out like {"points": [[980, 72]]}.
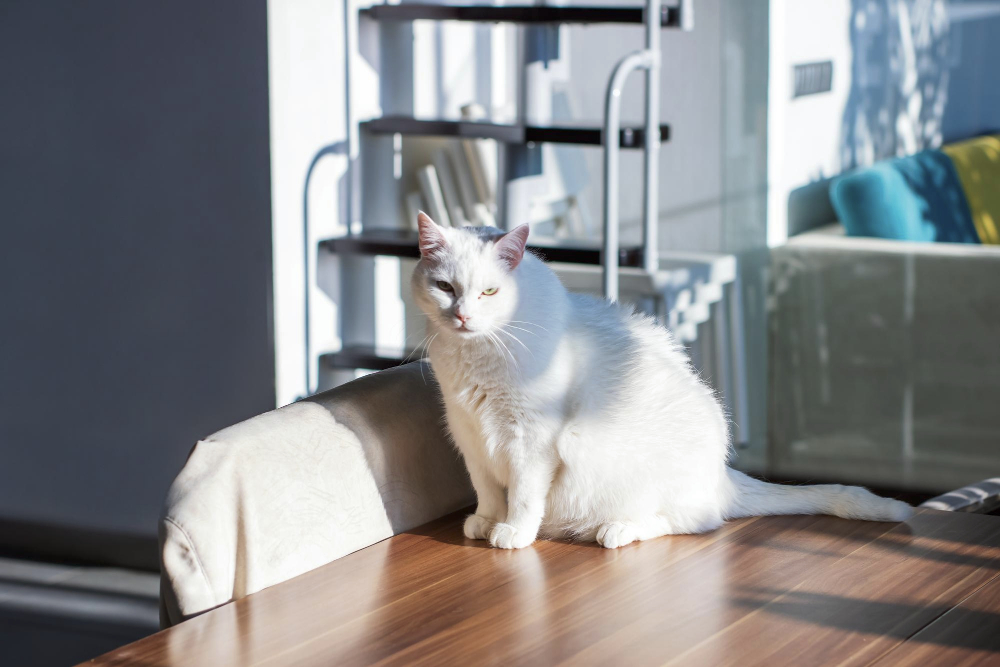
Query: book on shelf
{"points": [[483, 216], [466, 189], [430, 189], [476, 174], [459, 186], [480, 160], [481, 170], [449, 188], [414, 205]]}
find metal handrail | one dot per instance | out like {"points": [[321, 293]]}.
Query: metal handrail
{"points": [[338, 148], [651, 162], [612, 127], [648, 59]]}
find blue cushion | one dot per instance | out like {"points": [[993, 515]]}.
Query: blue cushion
{"points": [[915, 198]]}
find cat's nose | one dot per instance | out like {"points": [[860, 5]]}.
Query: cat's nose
{"points": [[462, 317]]}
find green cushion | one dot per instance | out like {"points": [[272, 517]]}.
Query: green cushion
{"points": [[915, 198]]}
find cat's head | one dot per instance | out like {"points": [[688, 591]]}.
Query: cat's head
{"points": [[465, 280]]}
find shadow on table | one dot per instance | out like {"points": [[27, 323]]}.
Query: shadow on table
{"points": [[946, 545], [448, 530], [877, 617]]}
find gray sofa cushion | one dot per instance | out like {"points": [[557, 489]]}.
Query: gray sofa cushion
{"points": [[285, 492]]}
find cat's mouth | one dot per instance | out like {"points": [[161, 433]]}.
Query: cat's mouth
{"points": [[462, 329]]}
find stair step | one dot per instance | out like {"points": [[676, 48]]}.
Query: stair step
{"points": [[403, 243], [629, 137], [670, 17], [367, 357]]}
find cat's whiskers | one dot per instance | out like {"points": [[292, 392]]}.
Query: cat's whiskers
{"points": [[511, 326], [496, 339], [534, 324], [530, 324], [427, 347], [494, 345], [516, 339], [426, 353], [493, 341], [424, 348], [420, 345]]}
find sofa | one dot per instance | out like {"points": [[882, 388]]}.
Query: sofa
{"points": [[884, 327], [287, 491]]}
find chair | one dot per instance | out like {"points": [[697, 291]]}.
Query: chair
{"points": [[293, 489]]}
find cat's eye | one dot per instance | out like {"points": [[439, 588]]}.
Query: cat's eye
{"points": [[446, 287], [490, 292]]}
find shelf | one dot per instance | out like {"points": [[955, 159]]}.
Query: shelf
{"points": [[366, 357], [511, 134], [403, 243], [528, 14]]}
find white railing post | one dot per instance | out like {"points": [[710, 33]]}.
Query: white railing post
{"points": [[648, 59], [651, 166], [612, 130]]}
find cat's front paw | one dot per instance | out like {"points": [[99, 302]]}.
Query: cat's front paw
{"points": [[506, 536], [477, 527], [615, 534]]}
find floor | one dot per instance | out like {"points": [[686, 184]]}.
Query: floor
{"points": [[53, 614], [783, 590]]}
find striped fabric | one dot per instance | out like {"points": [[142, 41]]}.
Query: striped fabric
{"points": [[980, 498]]}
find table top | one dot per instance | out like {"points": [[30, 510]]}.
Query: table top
{"points": [[773, 590]]}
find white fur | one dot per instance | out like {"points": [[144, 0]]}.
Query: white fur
{"points": [[579, 418]]}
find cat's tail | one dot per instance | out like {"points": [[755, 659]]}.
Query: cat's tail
{"points": [[752, 497]]}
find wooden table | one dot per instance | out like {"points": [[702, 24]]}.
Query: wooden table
{"points": [[776, 590]]}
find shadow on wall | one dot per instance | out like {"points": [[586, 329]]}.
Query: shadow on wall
{"points": [[921, 75], [899, 79], [899, 91]]}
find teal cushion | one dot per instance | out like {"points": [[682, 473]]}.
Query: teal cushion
{"points": [[915, 198]]}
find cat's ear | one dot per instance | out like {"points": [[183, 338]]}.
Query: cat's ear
{"points": [[510, 246], [432, 239]]}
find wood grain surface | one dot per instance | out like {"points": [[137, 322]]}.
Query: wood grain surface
{"points": [[775, 590], [968, 634]]}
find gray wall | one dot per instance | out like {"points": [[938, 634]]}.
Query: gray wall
{"points": [[135, 254]]}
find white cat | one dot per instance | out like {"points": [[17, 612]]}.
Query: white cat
{"points": [[576, 417]]}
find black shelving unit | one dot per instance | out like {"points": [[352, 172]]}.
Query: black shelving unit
{"points": [[403, 243], [368, 357], [507, 133], [669, 16], [373, 241]]}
